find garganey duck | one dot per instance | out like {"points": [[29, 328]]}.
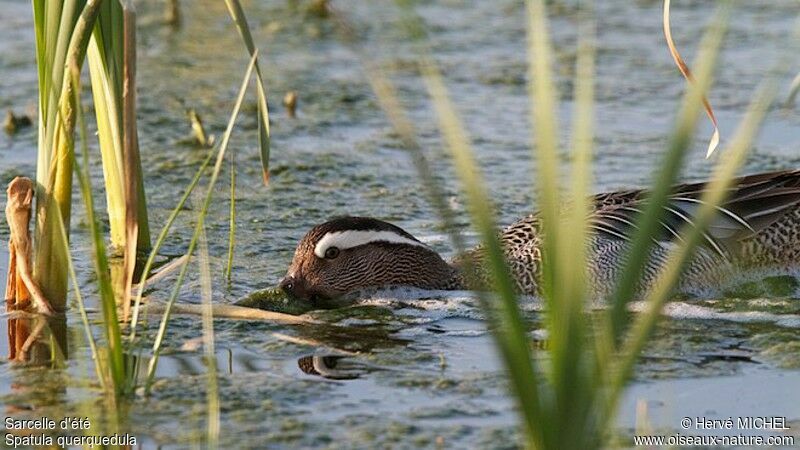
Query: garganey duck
{"points": [[756, 232]]}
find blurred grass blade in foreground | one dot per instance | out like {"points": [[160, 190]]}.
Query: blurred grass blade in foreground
{"points": [[574, 406]]}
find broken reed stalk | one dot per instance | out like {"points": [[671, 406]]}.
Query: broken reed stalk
{"points": [[18, 214], [16, 292], [22, 293]]}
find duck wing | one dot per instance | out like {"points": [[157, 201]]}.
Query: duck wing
{"points": [[753, 204]]}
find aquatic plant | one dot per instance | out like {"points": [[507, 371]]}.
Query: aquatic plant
{"points": [[569, 401], [62, 30], [112, 64], [67, 32]]}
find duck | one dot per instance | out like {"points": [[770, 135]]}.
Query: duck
{"points": [[755, 232]]}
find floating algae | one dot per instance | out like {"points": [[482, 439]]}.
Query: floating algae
{"points": [[273, 299]]}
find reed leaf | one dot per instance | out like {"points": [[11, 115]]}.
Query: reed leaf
{"points": [[161, 238], [63, 31], [237, 14], [573, 375], [111, 61], [114, 353], [231, 219], [135, 204]]}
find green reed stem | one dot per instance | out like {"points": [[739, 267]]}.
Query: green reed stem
{"points": [[76, 289], [162, 236], [107, 299], [63, 31], [232, 220]]}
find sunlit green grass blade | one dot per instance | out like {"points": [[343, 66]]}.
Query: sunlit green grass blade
{"points": [[198, 227], [543, 96], [574, 378], [232, 219], [99, 367], [544, 124], [237, 14], [648, 222], [108, 302], [162, 236], [387, 97], [794, 89]]}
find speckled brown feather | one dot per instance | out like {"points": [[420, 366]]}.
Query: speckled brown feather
{"points": [[756, 230]]}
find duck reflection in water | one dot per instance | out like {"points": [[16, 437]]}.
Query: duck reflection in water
{"points": [[332, 367]]}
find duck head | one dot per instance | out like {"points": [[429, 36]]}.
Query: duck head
{"points": [[349, 254]]}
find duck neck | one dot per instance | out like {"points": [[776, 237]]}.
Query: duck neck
{"points": [[468, 271], [454, 280]]}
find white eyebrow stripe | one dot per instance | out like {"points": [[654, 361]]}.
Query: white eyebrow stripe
{"points": [[353, 238]]}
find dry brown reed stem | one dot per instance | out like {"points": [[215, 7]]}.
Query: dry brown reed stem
{"points": [[20, 287], [131, 168], [172, 14], [162, 273], [235, 312], [15, 291], [290, 102], [38, 330], [684, 69]]}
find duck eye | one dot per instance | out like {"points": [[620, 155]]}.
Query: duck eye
{"points": [[331, 252]]}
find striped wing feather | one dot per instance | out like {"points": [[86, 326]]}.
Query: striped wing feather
{"points": [[753, 204]]}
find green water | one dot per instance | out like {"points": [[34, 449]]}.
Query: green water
{"points": [[417, 372]]}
